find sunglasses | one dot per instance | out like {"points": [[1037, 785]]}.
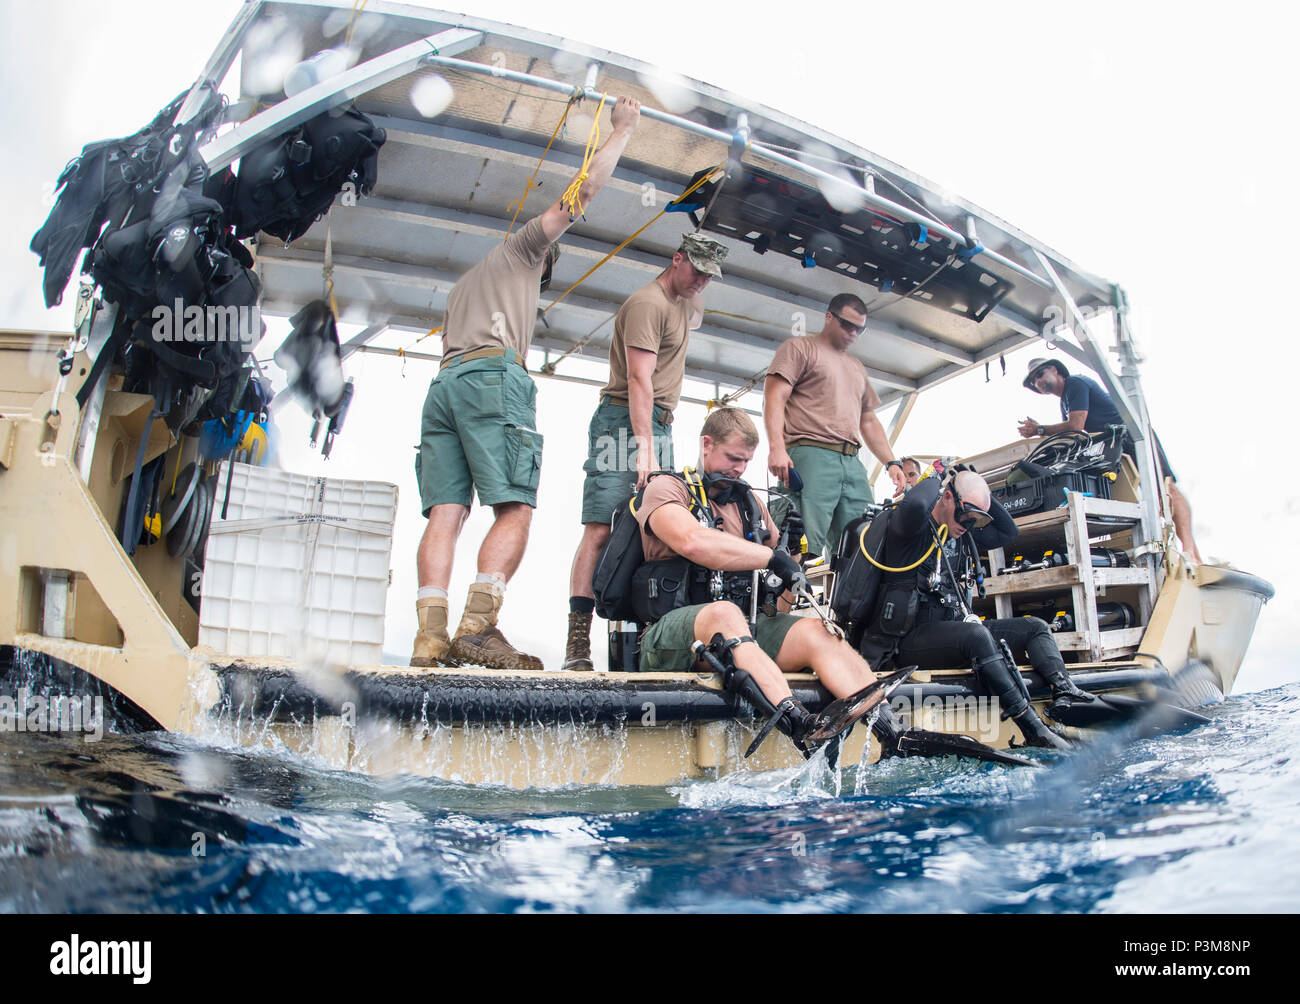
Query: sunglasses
{"points": [[852, 329]]}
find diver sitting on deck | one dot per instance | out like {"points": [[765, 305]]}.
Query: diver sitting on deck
{"points": [[912, 618], [1028, 638], [1086, 407], [687, 544]]}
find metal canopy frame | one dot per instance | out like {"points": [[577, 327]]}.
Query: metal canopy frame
{"points": [[445, 40]]}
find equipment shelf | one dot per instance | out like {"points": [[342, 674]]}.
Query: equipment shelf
{"points": [[1073, 528]]}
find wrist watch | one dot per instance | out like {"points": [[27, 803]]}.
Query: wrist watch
{"points": [[893, 463], [1040, 431]]}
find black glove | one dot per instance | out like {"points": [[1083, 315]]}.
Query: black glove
{"points": [[785, 568], [792, 533]]}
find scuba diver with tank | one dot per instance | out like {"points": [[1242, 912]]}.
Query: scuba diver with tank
{"points": [[1024, 637], [899, 596]]}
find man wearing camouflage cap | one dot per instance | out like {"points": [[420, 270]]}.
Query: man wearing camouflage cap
{"points": [[630, 435]]}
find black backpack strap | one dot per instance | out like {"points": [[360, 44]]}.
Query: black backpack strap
{"points": [[201, 370]]}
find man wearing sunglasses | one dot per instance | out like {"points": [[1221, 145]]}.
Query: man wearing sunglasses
{"points": [[819, 407], [630, 435], [920, 615]]}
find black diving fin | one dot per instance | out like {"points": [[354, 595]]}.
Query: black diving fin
{"points": [[1097, 710], [920, 742], [839, 716]]}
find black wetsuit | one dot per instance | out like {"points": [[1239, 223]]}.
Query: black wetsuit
{"points": [[1029, 638], [919, 617]]}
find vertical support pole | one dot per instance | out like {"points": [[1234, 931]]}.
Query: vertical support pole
{"points": [[101, 328], [901, 415], [1002, 601], [1151, 498], [1085, 593]]}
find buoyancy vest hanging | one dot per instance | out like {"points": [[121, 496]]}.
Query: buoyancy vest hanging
{"points": [[286, 184], [112, 183]]}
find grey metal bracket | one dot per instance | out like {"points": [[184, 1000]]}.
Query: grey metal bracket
{"points": [[220, 61], [328, 94]]}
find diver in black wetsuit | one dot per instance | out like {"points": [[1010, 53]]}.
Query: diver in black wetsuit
{"points": [[918, 617], [1028, 638]]}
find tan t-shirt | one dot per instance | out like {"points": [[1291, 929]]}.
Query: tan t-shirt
{"points": [[667, 490], [495, 302], [647, 320], [831, 391]]}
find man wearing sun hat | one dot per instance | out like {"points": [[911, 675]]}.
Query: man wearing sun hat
{"points": [[1086, 407], [630, 434]]}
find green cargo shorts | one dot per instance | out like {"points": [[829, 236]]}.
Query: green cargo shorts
{"points": [[478, 434], [835, 493], [667, 643], [611, 459]]}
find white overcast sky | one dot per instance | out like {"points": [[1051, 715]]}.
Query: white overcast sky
{"points": [[1153, 145]]}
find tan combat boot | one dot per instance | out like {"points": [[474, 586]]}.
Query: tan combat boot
{"points": [[479, 642], [577, 650], [431, 641]]}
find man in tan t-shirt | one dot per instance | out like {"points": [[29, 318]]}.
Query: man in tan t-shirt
{"points": [[478, 431], [630, 434], [817, 402]]}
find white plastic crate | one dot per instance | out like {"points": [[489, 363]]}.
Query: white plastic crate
{"points": [[298, 567]]}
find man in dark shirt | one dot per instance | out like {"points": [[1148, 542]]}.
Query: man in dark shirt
{"points": [[1085, 407]]}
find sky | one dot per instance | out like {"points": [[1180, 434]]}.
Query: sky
{"points": [[1152, 145]]}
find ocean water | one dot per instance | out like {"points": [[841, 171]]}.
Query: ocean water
{"points": [[1197, 821]]}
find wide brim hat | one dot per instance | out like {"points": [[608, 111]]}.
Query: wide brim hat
{"points": [[1035, 365]]}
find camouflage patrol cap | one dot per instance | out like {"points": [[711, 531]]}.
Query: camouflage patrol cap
{"points": [[704, 253]]}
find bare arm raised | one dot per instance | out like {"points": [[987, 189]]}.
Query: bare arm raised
{"points": [[625, 115]]}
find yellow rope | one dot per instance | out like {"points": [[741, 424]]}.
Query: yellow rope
{"points": [[329, 266], [629, 241], [586, 275], [518, 205], [571, 200], [726, 399], [357, 8]]}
